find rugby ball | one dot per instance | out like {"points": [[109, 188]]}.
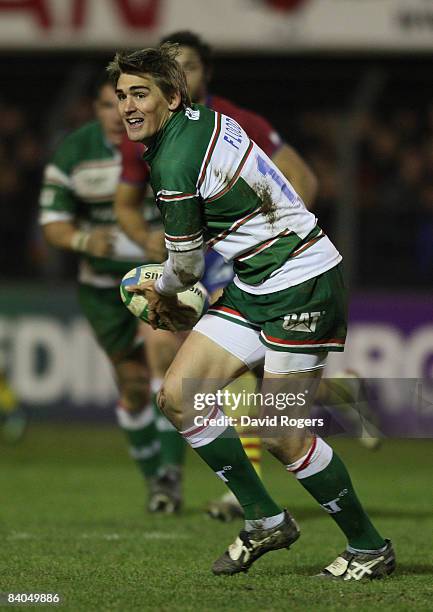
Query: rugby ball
{"points": [[196, 296]]}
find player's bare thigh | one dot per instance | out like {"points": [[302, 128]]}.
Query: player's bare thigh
{"points": [[200, 366], [161, 348]]}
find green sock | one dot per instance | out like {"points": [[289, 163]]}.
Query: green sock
{"points": [[141, 433], [333, 489], [172, 449], [173, 446], [226, 456]]}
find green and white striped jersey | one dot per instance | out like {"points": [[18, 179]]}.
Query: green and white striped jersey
{"points": [[79, 186], [215, 185]]}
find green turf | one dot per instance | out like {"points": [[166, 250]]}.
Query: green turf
{"points": [[72, 522]]}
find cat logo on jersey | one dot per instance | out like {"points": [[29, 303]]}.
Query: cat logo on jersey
{"points": [[305, 322]]}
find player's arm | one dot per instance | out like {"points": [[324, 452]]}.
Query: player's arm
{"points": [[58, 217], [128, 206], [65, 235], [182, 216], [298, 172], [181, 213], [181, 271], [287, 160], [128, 202]]}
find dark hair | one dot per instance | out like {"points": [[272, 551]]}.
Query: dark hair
{"points": [[101, 81], [159, 63], [185, 38]]}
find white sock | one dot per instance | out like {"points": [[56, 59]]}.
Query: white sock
{"points": [[207, 428], [163, 424], [156, 384], [267, 522], [317, 459], [368, 552], [134, 420]]}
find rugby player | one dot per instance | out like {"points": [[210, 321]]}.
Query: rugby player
{"points": [[213, 183], [195, 57], [77, 214]]}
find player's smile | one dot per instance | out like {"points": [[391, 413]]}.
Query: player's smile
{"points": [[134, 125], [142, 106], [135, 122]]}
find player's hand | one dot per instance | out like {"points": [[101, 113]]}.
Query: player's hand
{"points": [[101, 242], [154, 247], [165, 309]]}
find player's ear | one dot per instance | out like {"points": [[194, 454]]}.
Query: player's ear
{"points": [[174, 101]]}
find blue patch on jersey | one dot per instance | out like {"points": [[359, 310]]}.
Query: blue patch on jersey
{"points": [[217, 273]]}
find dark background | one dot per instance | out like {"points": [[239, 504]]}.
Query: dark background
{"points": [[386, 163]]}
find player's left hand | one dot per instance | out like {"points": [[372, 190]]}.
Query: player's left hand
{"points": [[165, 309]]}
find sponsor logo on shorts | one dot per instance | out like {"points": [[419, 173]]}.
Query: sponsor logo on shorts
{"points": [[305, 322]]}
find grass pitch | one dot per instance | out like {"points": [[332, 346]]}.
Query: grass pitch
{"points": [[73, 522]]}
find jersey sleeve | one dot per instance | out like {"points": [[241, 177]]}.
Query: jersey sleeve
{"points": [[261, 131], [135, 170], [177, 197], [57, 201]]}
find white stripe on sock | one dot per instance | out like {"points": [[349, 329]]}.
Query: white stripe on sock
{"points": [[266, 522], [203, 434], [354, 551], [163, 424], [156, 384], [319, 460], [135, 421]]}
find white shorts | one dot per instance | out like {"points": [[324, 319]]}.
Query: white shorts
{"points": [[244, 343]]}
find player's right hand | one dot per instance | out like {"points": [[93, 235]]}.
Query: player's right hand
{"points": [[165, 309], [101, 242]]}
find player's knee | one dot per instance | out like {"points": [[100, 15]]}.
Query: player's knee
{"points": [[170, 404], [161, 400]]}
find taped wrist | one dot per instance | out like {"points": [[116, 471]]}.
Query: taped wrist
{"points": [[181, 271], [80, 240]]}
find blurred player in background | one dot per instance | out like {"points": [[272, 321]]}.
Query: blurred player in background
{"points": [[77, 214], [195, 57]]}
